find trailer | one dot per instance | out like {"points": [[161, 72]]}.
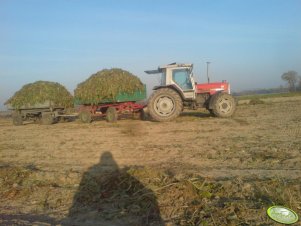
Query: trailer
{"points": [[44, 113], [112, 109]]}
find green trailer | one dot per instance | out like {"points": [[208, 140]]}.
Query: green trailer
{"points": [[138, 95], [112, 109]]}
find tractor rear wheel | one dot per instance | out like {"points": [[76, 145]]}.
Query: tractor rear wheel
{"points": [[223, 105], [111, 115], [17, 119], [211, 112], [85, 116], [165, 105]]}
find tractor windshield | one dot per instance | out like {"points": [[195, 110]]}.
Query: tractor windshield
{"points": [[182, 78]]}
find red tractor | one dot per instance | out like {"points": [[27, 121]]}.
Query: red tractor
{"points": [[178, 91]]}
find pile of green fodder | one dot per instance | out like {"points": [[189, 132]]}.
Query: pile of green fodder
{"points": [[106, 85], [40, 92]]}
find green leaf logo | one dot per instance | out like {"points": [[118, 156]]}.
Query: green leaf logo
{"points": [[282, 215]]}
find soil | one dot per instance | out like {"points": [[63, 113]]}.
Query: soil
{"points": [[196, 170]]}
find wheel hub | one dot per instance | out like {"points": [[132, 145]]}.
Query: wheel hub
{"points": [[164, 106], [225, 105]]}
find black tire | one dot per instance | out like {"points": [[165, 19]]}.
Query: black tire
{"points": [[17, 119], [143, 115], [111, 115], [164, 105], [223, 105], [85, 117], [211, 112], [47, 118]]}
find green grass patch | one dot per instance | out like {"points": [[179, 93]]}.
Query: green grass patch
{"points": [[270, 95]]}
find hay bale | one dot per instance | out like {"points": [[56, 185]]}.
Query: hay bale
{"points": [[39, 92], [106, 85]]}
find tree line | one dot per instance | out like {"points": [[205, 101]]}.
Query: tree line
{"points": [[292, 79]]}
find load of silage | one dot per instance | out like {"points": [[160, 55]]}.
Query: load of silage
{"points": [[40, 92], [106, 85]]}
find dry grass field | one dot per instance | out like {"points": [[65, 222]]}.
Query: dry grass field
{"points": [[197, 170]]}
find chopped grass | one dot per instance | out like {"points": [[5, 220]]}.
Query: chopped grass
{"points": [[40, 92], [151, 194], [105, 85], [256, 101]]}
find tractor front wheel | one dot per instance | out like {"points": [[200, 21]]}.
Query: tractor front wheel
{"points": [[165, 105], [223, 105]]}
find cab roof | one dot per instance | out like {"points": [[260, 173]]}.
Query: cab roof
{"points": [[172, 65]]}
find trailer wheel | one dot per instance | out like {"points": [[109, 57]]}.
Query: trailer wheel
{"points": [[85, 116], [37, 119], [223, 105], [111, 115], [47, 118], [165, 105], [17, 119]]}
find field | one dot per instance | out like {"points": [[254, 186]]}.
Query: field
{"points": [[197, 170]]}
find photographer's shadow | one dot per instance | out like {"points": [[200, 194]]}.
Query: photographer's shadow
{"points": [[108, 195]]}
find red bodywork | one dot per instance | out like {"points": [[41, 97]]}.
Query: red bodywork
{"points": [[213, 87]]}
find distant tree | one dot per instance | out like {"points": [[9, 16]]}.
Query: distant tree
{"points": [[291, 77], [299, 86]]}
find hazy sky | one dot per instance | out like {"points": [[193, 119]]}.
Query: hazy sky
{"points": [[249, 42]]}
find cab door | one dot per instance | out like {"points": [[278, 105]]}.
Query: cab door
{"points": [[182, 77]]}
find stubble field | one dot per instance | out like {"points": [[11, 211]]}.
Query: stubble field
{"points": [[197, 170]]}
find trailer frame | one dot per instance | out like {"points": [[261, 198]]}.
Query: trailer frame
{"points": [[111, 111]]}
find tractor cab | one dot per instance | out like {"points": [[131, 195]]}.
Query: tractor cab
{"points": [[177, 76], [178, 90]]}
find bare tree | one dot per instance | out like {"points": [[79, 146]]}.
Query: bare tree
{"points": [[299, 86], [291, 77]]}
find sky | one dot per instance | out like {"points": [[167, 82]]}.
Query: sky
{"points": [[250, 43]]}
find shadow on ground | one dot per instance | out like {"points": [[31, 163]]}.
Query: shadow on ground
{"points": [[108, 195], [26, 219], [196, 114]]}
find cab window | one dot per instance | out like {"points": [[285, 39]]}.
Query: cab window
{"points": [[181, 78]]}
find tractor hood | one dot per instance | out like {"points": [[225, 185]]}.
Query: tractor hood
{"points": [[213, 87]]}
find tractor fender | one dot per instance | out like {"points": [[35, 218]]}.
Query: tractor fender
{"points": [[211, 99], [175, 88]]}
